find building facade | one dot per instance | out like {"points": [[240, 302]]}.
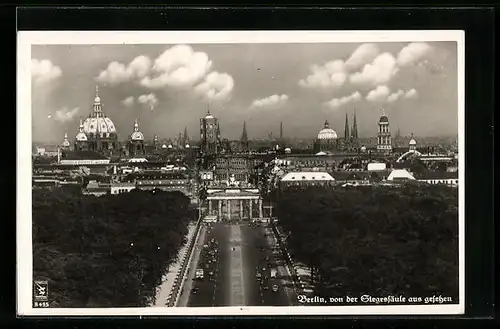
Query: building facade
{"points": [[237, 165]]}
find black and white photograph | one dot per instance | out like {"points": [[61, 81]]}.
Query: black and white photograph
{"points": [[240, 173]]}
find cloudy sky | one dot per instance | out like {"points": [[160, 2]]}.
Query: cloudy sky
{"points": [[168, 87]]}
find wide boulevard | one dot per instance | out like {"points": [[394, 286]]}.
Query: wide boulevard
{"points": [[237, 259]]}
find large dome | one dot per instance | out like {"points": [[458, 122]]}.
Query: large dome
{"points": [[327, 133], [101, 124]]}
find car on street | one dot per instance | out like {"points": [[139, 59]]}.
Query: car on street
{"points": [[194, 290]]}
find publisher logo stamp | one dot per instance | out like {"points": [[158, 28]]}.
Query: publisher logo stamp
{"points": [[41, 291]]}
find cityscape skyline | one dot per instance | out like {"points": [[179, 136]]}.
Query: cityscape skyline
{"points": [[168, 87]]}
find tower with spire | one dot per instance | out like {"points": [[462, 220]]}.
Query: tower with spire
{"points": [[185, 138], [347, 135], [354, 130], [244, 137]]}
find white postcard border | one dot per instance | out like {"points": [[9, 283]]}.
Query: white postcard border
{"points": [[24, 164]]}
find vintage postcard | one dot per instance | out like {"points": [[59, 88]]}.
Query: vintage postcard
{"points": [[240, 173]]}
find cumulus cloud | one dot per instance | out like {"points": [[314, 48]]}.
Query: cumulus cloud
{"points": [[380, 71], [117, 73], [150, 100], [412, 93], [43, 71], [379, 94], [129, 101], [362, 55], [331, 74], [271, 101], [216, 86], [65, 114], [395, 96], [337, 102], [413, 53], [178, 66]]}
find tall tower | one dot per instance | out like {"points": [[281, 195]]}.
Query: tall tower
{"points": [[346, 129], [209, 134], [180, 144], [384, 140], [155, 142], [185, 137], [354, 131], [244, 137]]}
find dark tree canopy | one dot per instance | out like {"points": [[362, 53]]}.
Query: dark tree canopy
{"points": [[377, 241], [109, 251]]}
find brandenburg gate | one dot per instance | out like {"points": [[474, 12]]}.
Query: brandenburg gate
{"points": [[234, 201]]}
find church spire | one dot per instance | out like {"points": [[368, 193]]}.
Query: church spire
{"points": [[185, 138], [346, 128], [354, 130], [136, 125], [81, 126], [244, 136]]}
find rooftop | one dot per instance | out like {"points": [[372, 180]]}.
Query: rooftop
{"points": [[307, 176], [82, 155]]}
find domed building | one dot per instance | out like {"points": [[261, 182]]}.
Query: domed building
{"points": [[136, 141], [65, 145], [97, 132], [412, 144], [81, 139], [327, 140]]}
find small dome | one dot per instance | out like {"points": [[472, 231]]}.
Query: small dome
{"points": [[170, 146], [363, 148], [97, 99], [81, 137], [137, 136], [383, 118], [288, 150], [413, 142], [164, 146], [187, 146]]}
